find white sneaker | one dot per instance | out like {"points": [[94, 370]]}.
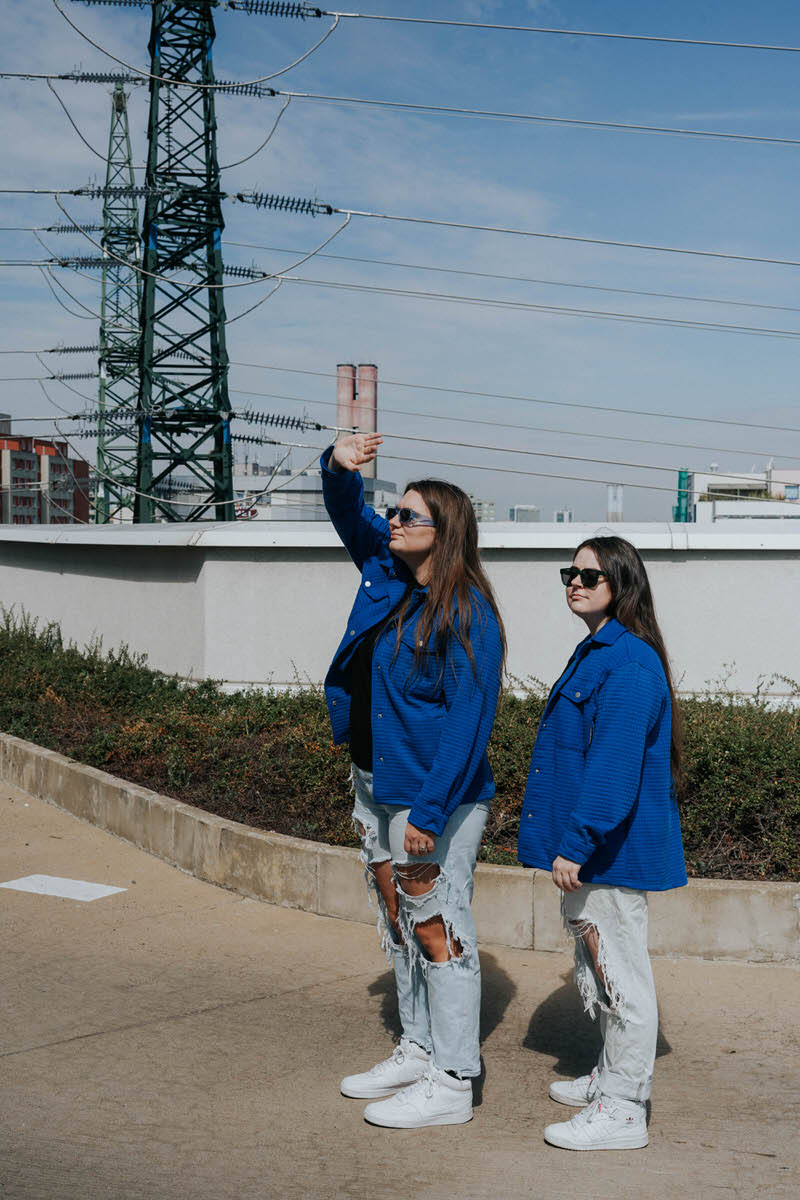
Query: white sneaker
{"points": [[575, 1091], [436, 1099], [408, 1063], [604, 1125]]}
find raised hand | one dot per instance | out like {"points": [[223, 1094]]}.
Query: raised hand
{"points": [[354, 451]]}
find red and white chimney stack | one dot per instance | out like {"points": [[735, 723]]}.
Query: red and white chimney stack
{"points": [[357, 402]]}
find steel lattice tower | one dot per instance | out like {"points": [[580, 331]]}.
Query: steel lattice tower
{"points": [[183, 404], [117, 444]]}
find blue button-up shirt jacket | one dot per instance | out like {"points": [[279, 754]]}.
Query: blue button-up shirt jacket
{"points": [[430, 728], [599, 790]]}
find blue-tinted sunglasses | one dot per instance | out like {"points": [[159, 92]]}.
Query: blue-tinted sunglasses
{"points": [[409, 517]]}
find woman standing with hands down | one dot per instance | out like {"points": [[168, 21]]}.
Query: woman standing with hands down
{"points": [[600, 811], [413, 687]]}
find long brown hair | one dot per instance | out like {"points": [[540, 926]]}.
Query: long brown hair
{"points": [[455, 568], [632, 605]]}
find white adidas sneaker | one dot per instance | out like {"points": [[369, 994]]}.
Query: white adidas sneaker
{"points": [[408, 1063], [606, 1124], [436, 1099], [578, 1092]]}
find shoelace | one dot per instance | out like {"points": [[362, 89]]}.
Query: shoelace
{"points": [[398, 1057], [424, 1084]]}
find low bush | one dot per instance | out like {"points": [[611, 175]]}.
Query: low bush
{"points": [[266, 758]]}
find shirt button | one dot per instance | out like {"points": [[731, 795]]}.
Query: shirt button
{"points": [[352, 633], [334, 703], [537, 770], [529, 816], [577, 695], [381, 757], [380, 714], [379, 666], [367, 583]]}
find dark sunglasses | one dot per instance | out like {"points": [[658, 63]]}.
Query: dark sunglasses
{"points": [[409, 517], [589, 576]]}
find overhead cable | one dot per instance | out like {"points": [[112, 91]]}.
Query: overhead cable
{"points": [[494, 424], [269, 200], [565, 283], [430, 387], [538, 118], [586, 33], [554, 309]]}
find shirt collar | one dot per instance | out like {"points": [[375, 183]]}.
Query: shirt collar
{"points": [[608, 634]]}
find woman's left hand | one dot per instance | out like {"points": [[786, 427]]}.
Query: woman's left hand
{"points": [[565, 874], [417, 841]]}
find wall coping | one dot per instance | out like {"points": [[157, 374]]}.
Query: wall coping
{"points": [[738, 535]]}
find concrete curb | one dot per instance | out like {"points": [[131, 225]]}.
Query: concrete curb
{"points": [[752, 922]]}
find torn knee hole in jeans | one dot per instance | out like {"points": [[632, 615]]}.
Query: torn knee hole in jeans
{"points": [[600, 985], [427, 908]]}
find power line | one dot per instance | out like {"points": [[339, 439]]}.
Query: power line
{"points": [[647, 487], [430, 387], [269, 200], [471, 301], [625, 37], [538, 118], [447, 110], [554, 309], [606, 437], [316, 207]]}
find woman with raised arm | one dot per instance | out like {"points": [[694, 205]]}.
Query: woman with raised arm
{"points": [[600, 812], [413, 688]]}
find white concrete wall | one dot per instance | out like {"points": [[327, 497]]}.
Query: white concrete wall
{"points": [[258, 604]]}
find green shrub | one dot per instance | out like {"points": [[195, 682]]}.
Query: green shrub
{"points": [[266, 757]]}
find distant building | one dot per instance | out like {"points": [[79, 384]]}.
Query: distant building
{"points": [[563, 516], [754, 495], [525, 513], [39, 483], [484, 509]]}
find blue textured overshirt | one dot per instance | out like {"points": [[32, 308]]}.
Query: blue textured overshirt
{"points": [[599, 790], [430, 729]]}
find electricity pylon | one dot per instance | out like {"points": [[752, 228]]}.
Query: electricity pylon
{"points": [[117, 440], [184, 408]]}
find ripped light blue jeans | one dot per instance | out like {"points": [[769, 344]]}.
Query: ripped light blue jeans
{"points": [[627, 1000], [439, 1003]]}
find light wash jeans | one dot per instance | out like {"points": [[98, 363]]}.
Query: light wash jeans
{"points": [[627, 1003], [439, 1003]]}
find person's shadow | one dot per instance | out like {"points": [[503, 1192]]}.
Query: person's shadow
{"points": [[497, 991], [560, 1029]]}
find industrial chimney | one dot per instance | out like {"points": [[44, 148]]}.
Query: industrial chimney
{"points": [[366, 409], [614, 503], [345, 395]]}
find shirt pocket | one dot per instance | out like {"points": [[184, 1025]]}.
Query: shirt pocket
{"points": [[374, 586], [577, 707], [418, 678]]}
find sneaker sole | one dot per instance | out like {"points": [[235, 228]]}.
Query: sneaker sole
{"points": [[380, 1094], [448, 1119], [632, 1143], [571, 1102]]}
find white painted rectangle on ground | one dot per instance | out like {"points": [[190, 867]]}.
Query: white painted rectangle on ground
{"points": [[69, 889]]}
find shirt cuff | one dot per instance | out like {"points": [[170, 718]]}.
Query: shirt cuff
{"points": [[575, 847], [432, 819]]}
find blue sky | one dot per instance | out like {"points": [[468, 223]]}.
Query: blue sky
{"points": [[736, 198]]}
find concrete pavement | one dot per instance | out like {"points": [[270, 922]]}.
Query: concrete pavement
{"points": [[176, 1040]]}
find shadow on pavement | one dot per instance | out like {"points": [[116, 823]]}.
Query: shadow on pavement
{"points": [[561, 1029]]}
